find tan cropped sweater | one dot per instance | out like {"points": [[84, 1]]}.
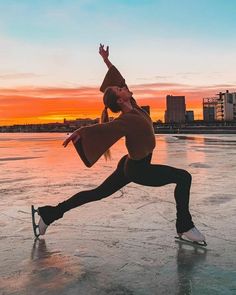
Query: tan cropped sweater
{"points": [[136, 126]]}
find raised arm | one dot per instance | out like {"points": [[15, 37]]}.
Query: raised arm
{"points": [[113, 76], [105, 55]]}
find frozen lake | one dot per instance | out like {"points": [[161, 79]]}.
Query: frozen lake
{"points": [[123, 244]]}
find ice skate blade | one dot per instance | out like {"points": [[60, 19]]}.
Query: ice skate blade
{"points": [[194, 243], [35, 226]]}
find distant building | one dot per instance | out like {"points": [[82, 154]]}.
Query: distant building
{"points": [[80, 122], [175, 109], [146, 108], [189, 116], [226, 106], [209, 108], [220, 108], [234, 105]]}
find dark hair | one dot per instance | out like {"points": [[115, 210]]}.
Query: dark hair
{"points": [[110, 101]]}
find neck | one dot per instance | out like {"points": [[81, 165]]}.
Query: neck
{"points": [[126, 107]]}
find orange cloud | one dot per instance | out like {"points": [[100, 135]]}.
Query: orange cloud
{"points": [[43, 105]]}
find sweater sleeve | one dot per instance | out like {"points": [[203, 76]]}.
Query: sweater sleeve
{"points": [[96, 139], [113, 78]]}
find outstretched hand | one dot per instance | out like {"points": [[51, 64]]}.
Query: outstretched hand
{"points": [[74, 137], [104, 53]]}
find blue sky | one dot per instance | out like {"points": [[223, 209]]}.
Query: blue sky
{"points": [[55, 43]]}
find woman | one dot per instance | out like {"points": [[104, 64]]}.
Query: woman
{"points": [[137, 127]]}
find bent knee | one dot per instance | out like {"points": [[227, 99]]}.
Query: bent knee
{"points": [[184, 174]]}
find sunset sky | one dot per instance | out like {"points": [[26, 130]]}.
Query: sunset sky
{"points": [[50, 66]]}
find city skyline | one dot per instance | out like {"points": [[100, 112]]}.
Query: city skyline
{"points": [[51, 69]]}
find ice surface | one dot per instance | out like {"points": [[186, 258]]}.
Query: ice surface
{"points": [[123, 244]]}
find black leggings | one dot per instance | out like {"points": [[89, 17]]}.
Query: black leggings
{"points": [[140, 172]]}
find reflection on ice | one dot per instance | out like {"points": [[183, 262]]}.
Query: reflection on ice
{"points": [[189, 259]]}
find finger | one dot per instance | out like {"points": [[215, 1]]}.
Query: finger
{"points": [[65, 143], [68, 139]]}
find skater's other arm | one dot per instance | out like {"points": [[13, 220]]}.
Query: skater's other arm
{"points": [[105, 54], [75, 136], [114, 130]]}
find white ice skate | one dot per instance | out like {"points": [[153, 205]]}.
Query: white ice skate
{"points": [[41, 227], [192, 236]]}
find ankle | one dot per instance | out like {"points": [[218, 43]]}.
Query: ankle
{"points": [[49, 214]]}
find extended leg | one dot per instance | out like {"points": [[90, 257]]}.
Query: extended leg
{"points": [[112, 184]]}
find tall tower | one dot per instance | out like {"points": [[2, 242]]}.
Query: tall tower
{"points": [[175, 109]]}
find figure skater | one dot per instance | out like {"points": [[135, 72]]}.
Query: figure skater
{"points": [[91, 142]]}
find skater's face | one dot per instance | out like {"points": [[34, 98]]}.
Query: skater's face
{"points": [[122, 93]]}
